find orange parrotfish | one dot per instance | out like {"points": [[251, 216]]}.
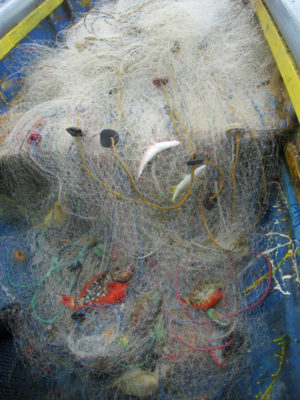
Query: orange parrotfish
{"points": [[106, 287], [205, 295]]}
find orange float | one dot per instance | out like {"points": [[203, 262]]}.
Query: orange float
{"points": [[20, 256]]}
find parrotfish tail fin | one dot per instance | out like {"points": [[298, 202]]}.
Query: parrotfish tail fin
{"points": [[185, 301], [173, 192], [66, 300]]}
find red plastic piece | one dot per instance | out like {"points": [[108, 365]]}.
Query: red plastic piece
{"points": [[160, 81], [34, 138]]}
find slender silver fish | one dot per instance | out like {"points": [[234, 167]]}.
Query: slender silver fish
{"points": [[152, 151], [184, 184]]}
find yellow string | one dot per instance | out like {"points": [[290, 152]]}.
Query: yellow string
{"points": [[234, 182], [96, 12], [112, 16], [119, 195], [140, 8], [190, 140], [211, 236], [172, 114], [282, 343], [142, 197], [222, 178], [113, 192], [174, 123], [233, 174], [243, 232], [223, 95], [265, 276], [262, 166]]}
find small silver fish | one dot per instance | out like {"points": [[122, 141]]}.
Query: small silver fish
{"points": [[152, 151], [184, 184]]}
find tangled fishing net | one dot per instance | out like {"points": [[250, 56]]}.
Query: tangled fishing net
{"points": [[138, 159]]}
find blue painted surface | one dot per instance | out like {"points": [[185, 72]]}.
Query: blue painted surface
{"points": [[281, 309], [279, 315]]}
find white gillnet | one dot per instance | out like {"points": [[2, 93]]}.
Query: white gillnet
{"points": [[196, 72]]}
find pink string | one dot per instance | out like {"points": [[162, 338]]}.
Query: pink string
{"points": [[179, 299], [222, 346]]}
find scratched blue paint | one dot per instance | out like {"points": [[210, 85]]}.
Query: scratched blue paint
{"points": [[279, 314]]}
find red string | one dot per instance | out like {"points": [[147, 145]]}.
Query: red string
{"points": [[155, 265], [222, 346], [179, 299], [210, 349], [217, 359], [259, 301]]}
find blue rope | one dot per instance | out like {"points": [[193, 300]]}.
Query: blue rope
{"points": [[98, 329], [107, 323]]}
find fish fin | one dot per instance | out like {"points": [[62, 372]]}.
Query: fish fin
{"points": [[66, 300], [55, 215], [172, 189], [185, 300], [138, 176]]}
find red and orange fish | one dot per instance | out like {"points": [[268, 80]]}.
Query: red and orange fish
{"points": [[106, 287], [205, 295]]}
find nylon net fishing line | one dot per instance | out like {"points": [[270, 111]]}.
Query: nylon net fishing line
{"points": [[138, 157]]}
